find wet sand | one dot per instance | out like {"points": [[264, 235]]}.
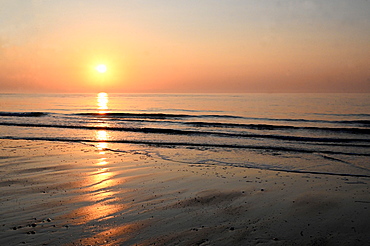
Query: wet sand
{"points": [[56, 193]]}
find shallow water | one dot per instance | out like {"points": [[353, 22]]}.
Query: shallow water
{"points": [[313, 133]]}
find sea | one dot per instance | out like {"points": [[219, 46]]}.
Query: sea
{"points": [[321, 134]]}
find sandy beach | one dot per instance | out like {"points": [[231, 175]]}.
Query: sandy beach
{"points": [[55, 193], [184, 123]]}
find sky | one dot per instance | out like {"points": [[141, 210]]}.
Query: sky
{"points": [[202, 46]]}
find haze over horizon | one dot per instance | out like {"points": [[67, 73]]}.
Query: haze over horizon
{"points": [[185, 46]]}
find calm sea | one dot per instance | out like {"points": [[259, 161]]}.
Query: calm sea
{"points": [[326, 134]]}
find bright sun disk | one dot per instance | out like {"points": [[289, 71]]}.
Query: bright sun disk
{"points": [[101, 68]]}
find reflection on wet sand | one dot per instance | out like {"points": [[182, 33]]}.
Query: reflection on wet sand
{"points": [[115, 235], [102, 161], [97, 190], [102, 136], [99, 199]]}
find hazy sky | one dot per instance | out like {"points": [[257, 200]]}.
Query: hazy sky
{"points": [[185, 46]]}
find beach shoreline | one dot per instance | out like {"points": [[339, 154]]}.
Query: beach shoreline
{"points": [[55, 193]]}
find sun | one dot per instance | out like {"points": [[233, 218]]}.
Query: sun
{"points": [[101, 68]]}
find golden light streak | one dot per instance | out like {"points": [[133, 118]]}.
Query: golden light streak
{"points": [[102, 101]]}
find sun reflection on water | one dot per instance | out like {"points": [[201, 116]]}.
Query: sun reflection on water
{"points": [[102, 102], [102, 135]]}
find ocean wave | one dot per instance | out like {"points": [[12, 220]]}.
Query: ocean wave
{"points": [[157, 115], [277, 127], [224, 116], [136, 115], [163, 116], [197, 133], [23, 114], [192, 144], [345, 115], [349, 122]]}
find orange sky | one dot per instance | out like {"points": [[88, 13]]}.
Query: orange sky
{"points": [[187, 46]]}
